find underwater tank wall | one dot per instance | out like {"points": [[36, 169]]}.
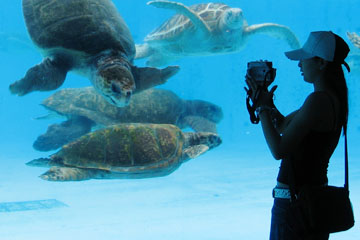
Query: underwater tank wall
{"points": [[222, 194]]}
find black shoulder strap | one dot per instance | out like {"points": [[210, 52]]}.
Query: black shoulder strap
{"points": [[346, 186]]}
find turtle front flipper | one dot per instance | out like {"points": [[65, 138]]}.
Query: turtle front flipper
{"points": [[40, 162], [148, 77], [276, 31], [46, 76], [198, 124], [180, 8], [58, 135], [63, 174]]}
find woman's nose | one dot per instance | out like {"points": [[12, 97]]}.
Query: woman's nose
{"points": [[299, 64]]}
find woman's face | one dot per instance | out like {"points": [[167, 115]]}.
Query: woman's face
{"points": [[309, 69]]}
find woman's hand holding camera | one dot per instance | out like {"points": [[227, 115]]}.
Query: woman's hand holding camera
{"points": [[259, 95]]}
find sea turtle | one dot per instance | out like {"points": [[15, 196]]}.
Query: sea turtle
{"points": [[88, 37], [353, 59], [203, 29], [126, 151], [354, 38], [84, 109]]}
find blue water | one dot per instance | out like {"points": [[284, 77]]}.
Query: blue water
{"points": [[225, 193]]}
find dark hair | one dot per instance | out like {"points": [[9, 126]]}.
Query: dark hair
{"points": [[334, 75]]}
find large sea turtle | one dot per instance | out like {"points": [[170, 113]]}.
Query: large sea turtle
{"points": [[354, 38], [203, 29], [84, 109], [126, 151], [353, 59], [91, 38]]}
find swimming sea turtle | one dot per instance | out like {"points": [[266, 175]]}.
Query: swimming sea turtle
{"points": [[354, 38], [126, 151], [91, 38], [353, 59], [84, 109], [203, 29]]}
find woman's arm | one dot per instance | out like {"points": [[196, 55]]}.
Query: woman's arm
{"points": [[314, 114], [282, 121]]}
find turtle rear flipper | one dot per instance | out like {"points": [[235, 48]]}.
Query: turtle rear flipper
{"points": [[68, 174], [46, 76], [157, 59], [148, 77], [142, 51], [199, 124]]}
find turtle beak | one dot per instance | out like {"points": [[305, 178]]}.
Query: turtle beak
{"points": [[116, 83], [120, 94], [214, 140]]}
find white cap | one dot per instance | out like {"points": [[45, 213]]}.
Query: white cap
{"points": [[319, 44], [323, 44]]}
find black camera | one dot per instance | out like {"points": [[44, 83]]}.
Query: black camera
{"points": [[261, 72]]}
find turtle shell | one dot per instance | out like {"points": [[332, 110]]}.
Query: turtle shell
{"points": [[88, 26], [149, 106], [175, 26], [126, 148]]}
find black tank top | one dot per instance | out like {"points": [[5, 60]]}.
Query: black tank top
{"points": [[310, 165]]}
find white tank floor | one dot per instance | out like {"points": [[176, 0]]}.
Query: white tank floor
{"points": [[214, 197]]}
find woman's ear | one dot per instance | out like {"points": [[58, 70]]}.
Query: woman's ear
{"points": [[322, 63]]}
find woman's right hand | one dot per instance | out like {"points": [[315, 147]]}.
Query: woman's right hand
{"points": [[259, 95]]}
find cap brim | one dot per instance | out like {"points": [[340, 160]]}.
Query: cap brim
{"points": [[298, 54]]}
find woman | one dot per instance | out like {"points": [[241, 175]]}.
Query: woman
{"points": [[306, 139]]}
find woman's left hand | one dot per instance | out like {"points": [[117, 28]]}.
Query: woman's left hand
{"points": [[259, 95]]}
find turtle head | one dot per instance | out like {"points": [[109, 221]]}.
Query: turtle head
{"points": [[199, 143], [209, 139], [114, 80], [231, 20], [204, 109]]}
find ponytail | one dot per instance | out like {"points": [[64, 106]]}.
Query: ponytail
{"points": [[334, 75]]}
